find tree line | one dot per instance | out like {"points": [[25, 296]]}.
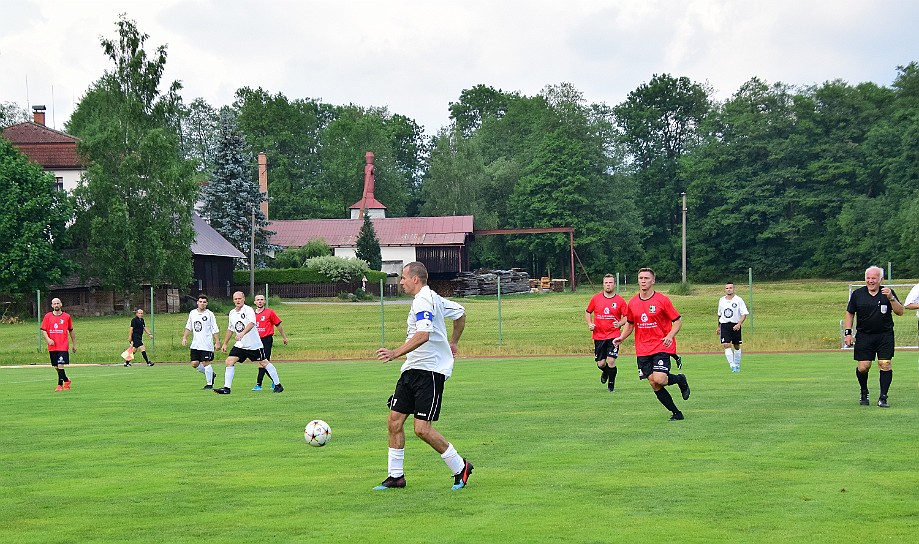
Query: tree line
{"points": [[793, 181]]}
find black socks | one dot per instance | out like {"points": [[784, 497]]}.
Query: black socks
{"points": [[664, 397], [863, 381], [886, 376]]}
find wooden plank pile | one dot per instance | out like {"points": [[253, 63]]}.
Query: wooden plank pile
{"points": [[485, 282]]}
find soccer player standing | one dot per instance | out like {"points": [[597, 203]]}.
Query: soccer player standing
{"points": [[55, 327], [655, 322], [429, 357], [871, 307], [732, 312], [248, 345], [136, 335], [605, 316], [266, 321], [203, 325]]}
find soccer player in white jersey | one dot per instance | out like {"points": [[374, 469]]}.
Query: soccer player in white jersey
{"points": [[428, 363], [203, 326], [732, 312], [248, 344]]}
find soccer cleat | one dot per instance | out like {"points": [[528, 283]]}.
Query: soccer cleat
{"points": [[222, 391], [277, 388], [59, 388], [677, 416], [459, 480], [882, 402], [864, 400], [67, 385], [604, 377], [257, 387], [679, 361], [127, 363], [207, 386], [391, 483], [610, 389], [684, 386], [150, 363]]}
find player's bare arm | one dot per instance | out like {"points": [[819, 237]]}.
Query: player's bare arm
{"points": [[413, 343]]}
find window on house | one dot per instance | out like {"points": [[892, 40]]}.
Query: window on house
{"points": [[59, 184]]}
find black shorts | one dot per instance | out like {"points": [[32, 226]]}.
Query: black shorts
{"points": [[729, 335], [201, 355], [59, 357], [250, 354], [137, 342], [418, 392], [267, 342], [659, 362], [604, 349], [868, 345]]}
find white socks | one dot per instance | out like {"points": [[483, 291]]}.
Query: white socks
{"points": [[208, 374], [228, 377], [729, 353], [453, 459], [737, 357], [273, 373], [200, 368], [396, 459]]}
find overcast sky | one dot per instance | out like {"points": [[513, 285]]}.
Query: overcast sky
{"points": [[416, 56]]}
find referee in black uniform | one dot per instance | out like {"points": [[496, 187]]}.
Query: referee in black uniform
{"points": [[873, 307]]}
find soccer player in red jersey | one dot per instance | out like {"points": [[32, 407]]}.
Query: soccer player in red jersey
{"points": [[655, 322], [266, 321], [605, 315], [55, 327]]}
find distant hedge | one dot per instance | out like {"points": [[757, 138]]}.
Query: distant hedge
{"points": [[282, 276]]}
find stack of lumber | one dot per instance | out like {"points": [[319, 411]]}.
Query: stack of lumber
{"points": [[485, 282]]}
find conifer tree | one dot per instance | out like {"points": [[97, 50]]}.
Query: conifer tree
{"points": [[368, 245]]}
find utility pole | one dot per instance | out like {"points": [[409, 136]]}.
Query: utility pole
{"points": [[684, 237], [252, 258]]}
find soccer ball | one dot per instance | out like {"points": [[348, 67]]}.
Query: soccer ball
{"points": [[317, 433]]}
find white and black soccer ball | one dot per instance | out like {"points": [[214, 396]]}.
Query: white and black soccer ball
{"points": [[317, 433]]}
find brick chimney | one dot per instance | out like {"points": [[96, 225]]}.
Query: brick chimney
{"points": [[263, 181], [38, 115]]}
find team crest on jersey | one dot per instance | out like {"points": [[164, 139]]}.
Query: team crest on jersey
{"points": [[644, 318], [239, 326], [198, 326], [606, 311], [203, 318], [728, 312], [652, 308], [883, 308]]}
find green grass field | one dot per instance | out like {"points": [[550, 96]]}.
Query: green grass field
{"points": [[801, 315], [780, 452]]}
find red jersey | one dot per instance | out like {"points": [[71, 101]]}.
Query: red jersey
{"points": [[57, 327], [265, 321], [606, 310], [653, 320]]}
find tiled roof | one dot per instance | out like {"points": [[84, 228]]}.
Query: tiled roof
{"points": [[49, 148], [391, 231], [209, 242]]}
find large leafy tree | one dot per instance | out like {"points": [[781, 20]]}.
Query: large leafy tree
{"points": [[11, 114], [231, 198], [660, 122], [199, 134], [33, 218], [134, 210]]}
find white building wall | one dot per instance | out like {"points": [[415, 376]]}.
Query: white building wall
{"points": [[71, 178]]}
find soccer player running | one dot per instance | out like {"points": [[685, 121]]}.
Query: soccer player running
{"points": [[732, 312], [912, 299], [205, 335], [136, 336], [605, 315], [55, 327], [248, 345], [655, 322], [428, 364], [871, 307], [266, 321]]}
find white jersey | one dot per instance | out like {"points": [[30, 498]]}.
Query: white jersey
{"points": [[730, 310], [203, 326], [427, 315], [238, 321], [913, 297]]}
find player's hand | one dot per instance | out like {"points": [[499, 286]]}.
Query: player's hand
{"points": [[617, 341], [616, 323], [239, 336], [454, 348], [385, 355], [50, 342], [223, 348], [73, 348], [886, 292], [285, 340], [737, 327], [667, 341], [591, 326], [848, 341], [184, 341]]}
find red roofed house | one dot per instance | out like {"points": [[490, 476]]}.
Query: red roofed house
{"points": [[438, 242], [54, 151]]}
